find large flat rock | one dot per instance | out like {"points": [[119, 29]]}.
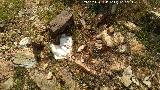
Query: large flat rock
{"points": [[61, 22]]}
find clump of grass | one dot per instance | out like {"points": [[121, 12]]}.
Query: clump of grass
{"points": [[144, 61], [154, 2], [149, 34], [31, 84], [19, 78], [54, 8], [22, 80], [9, 8]]}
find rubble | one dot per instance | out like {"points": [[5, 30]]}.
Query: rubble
{"points": [[128, 77], [98, 44], [108, 39], [112, 40], [118, 38]]}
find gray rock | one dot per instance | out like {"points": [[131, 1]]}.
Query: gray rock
{"points": [[61, 22], [24, 58]]}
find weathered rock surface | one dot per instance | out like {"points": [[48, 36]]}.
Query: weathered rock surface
{"points": [[61, 22], [24, 58]]}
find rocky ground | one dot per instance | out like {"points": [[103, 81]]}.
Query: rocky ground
{"points": [[108, 46]]}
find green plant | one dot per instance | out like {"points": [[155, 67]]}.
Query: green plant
{"points": [[9, 8]]}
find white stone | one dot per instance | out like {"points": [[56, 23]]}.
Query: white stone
{"points": [[25, 41], [126, 78], [122, 48], [108, 39], [66, 43], [63, 50], [49, 75], [81, 48], [135, 80], [58, 52], [147, 82]]}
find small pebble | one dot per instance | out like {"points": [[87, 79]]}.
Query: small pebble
{"points": [[147, 82], [45, 66], [25, 41], [49, 76], [81, 48]]}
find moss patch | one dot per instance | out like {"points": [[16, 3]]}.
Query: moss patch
{"points": [[9, 8]]}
